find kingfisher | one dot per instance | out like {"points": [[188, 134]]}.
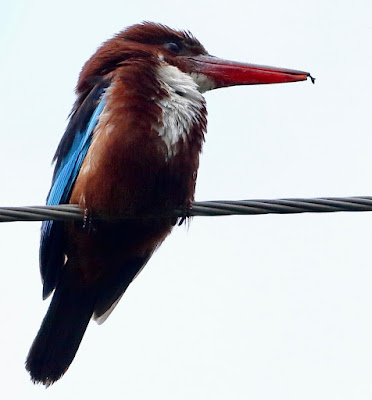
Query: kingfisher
{"points": [[130, 151]]}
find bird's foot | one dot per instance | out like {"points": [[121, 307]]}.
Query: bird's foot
{"points": [[186, 215], [88, 224]]}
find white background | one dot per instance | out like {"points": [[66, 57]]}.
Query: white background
{"points": [[260, 307]]}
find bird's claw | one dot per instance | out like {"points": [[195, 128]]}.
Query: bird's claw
{"points": [[88, 222], [185, 216]]}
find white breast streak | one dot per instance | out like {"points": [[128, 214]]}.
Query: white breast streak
{"points": [[181, 108]]}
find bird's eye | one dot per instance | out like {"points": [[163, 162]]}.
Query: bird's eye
{"points": [[173, 47]]}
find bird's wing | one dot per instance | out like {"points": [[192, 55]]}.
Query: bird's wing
{"points": [[69, 158]]}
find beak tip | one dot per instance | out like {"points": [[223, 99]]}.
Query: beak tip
{"points": [[312, 79]]}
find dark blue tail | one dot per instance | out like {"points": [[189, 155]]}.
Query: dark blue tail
{"points": [[62, 329]]}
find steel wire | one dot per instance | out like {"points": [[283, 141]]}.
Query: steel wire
{"points": [[65, 212]]}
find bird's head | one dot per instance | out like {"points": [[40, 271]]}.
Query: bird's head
{"points": [[160, 44]]}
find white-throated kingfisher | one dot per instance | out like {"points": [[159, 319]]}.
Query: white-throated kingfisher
{"points": [[131, 148]]}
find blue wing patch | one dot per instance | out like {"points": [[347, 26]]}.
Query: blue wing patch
{"points": [[67, 169]]}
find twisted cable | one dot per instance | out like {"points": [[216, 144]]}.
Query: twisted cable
{"points": [[65, 212]]}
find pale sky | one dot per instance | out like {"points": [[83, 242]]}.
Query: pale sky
{"points": [[244, 307]]}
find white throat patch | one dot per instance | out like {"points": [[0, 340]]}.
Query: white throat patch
{"points": [[180, 109]]}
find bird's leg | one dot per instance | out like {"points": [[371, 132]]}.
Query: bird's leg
{"points": [[88, 224], [186, 214]]}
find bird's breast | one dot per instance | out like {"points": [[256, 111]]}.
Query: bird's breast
{"points": [[182, 108], [144, 153]]}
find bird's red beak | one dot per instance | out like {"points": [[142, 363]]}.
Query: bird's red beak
{"points": [[229, 73]]}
